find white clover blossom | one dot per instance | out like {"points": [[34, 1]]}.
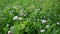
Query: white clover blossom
{"points": [[42, 30], [44, 21], [9, 32], [20, 18], [11, 28], [7, 25], [15, 17], [24, 14], [14, 7], [41, 20], [47, 26], [21, 12], [11, 11], [58, 23], [37, 19]]}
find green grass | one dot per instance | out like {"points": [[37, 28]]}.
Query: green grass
{"points": [[33, 11]]}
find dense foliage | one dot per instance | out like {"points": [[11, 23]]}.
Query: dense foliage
{"points": [[30, 16]]}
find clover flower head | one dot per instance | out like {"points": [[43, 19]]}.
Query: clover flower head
{"points": [[58, 23], [7, 25], [44, 21], [20, 18], [42, 30], [11, 28], [9, 32], [47, 26], [15, 17]]}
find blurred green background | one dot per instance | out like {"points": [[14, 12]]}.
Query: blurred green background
{"points": [[35, 10]]}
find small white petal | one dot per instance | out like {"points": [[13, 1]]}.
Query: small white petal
{"points": [[47, 26], [58, 23], [43, 21], [14, 7], [20, 18], [24, 14], [37, 19], [7, 25], [42, 30], [21, 10]]}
